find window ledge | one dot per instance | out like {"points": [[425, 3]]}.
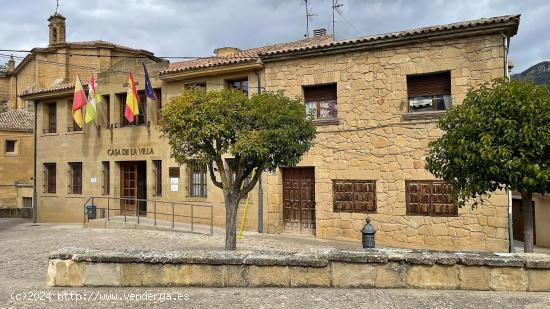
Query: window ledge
{"points": [[424, 115], [49, 134], [74, 132], [326, 122]]}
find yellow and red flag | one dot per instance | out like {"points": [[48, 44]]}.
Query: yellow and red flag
{"points": [[132, 102], [79, 100]]}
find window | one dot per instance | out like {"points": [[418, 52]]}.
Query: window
{"points": [[429, 198], [429, 92], [357, 196], [174, 172], [157, 172], [49, 177], [106, 106], [51, 118], [74, 126], [241, 84], [139, 119], [197, 180], [158, 96], [321, 101], [106, 173], [197, 85], [10, 146], [75, 177]]}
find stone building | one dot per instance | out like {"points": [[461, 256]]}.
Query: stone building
{"points": [[16, 172], [59, 63], [375, 101]]}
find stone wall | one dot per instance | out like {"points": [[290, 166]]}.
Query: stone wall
{"points": [[376, 268], [376, 139], [16, 169]]}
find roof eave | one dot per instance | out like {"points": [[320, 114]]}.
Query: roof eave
{"points": [[509, 28], [48, 95], [212, 70]]}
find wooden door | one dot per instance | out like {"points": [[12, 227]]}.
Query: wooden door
{"points": [[299, 200], [128, 187], [517, 220]]}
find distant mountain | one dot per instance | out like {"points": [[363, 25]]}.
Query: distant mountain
{"points": [[539, 74]]}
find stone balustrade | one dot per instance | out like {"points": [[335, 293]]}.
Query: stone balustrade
{"points": [[353, 268]]}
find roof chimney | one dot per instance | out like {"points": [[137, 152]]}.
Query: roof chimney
{"points": [[320, 32], [11, 63], [226, 51]]}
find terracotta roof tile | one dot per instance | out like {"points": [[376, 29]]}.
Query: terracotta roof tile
{"points": [[63, 86], [17, 120], [405, 34], [240, 57]]}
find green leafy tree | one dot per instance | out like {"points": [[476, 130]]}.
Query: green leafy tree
{"points": [[498, 138], [261, 133]]}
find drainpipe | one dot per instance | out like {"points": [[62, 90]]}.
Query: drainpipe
{"points": [[34, 195], [260, 189], [506, 43]]}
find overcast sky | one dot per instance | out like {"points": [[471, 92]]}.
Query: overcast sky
{"points": [[197, 27]]}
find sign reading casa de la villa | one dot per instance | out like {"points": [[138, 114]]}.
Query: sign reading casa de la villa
{"points": [[133, 151]]}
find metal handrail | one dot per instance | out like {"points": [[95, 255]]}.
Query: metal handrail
{"points": [[154, 212]]}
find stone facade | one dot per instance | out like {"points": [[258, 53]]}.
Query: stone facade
{"points": [[335, 268], [16, 172], [375, 140]]}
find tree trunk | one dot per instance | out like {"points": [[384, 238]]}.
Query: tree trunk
{"points": [[527, 207], [231, 206]]}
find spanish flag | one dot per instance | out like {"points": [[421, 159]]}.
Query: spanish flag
{"points": [[79, 100], [132, 103]]}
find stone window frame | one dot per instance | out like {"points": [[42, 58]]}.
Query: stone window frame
{"points": [[141, 119], [11, 147], [352, 195], [412, 210]]}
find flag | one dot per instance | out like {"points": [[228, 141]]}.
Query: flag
{"points": [[91, 107], [132, 106], [79, 100], [149, 92]]}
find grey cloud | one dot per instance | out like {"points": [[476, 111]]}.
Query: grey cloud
{"points": [[197, 27]]}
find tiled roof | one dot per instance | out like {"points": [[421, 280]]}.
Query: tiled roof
{"points": [[507, 19], [240, 57], [63, 86], [17, 120], [108, 44]]}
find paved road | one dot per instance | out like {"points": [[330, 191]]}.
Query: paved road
{"points": [[24, 251]]}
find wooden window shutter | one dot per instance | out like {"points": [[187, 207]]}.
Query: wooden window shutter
{"points": [[354, 196], [320, 93], [429, 84], [429, 198]]}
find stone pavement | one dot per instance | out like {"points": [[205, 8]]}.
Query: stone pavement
{"points": [[24, 249]]}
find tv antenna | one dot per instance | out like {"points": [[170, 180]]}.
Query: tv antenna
{"points": [[335, 6], [309, 16], [56, 6]]}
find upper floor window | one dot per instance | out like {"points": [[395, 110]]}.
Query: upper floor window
{"points": [[11, 146], [356, 196], [139, 119], [321, 102], [158, 96], [74, 126], [106, 106], [75, 177], [106, 173], [50, 177], [429, 198], [429, 92], [241, 84], [197, 180], [50, 125]]}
